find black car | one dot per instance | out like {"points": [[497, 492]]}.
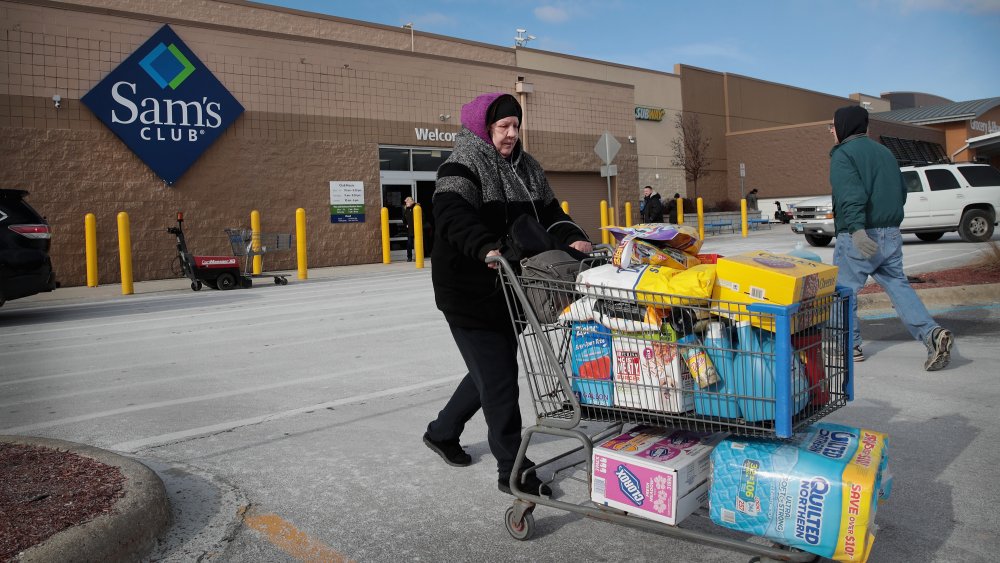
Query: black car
{"points": [[25, 268]]}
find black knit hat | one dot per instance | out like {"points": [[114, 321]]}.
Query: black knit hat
{"points": [[504, 106]]}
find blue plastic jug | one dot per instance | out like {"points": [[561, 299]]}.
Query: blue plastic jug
{"points": [[800, 251], [754, 379], [719, 399]]}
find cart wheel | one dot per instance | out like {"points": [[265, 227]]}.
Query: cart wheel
{"points": [[195, 285], [225, 281], [522, 530]]}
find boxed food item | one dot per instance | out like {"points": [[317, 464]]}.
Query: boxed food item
{"points": [[657, 473], [648, 374], [590, 361], [777, 279]]}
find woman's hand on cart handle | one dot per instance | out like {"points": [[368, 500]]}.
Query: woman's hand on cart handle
{"points": [[583, 246], [493, 265]]}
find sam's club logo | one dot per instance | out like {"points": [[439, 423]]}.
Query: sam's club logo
{"points": [[164, 104]]}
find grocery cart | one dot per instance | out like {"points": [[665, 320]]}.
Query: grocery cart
{"points": [[249, 245], [805, 346]]}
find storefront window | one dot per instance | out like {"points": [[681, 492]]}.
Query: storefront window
{"points": [[429, 159], [393, 159]]}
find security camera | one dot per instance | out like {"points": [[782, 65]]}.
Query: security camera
{"points": [[56, 100], [631, 139]]}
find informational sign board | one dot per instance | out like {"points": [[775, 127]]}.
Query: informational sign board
{"points": [[347, 202]]}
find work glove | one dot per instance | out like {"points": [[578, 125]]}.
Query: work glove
{"points": [[865, 245]]}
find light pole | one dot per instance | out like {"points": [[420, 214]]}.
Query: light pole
{"points": [[409, 25]]}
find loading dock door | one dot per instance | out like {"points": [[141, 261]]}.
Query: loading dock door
{"points": [[584, 193]]}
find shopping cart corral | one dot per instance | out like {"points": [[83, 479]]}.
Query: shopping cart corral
{"points": [[802, 349], [249, 245]]}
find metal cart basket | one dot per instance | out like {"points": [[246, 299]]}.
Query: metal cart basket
{"points": [[807, 350], [249, 245]]}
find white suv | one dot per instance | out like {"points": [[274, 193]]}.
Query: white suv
{"points": [[941, 198]]}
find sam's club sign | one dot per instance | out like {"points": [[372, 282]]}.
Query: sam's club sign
{"points": [[164, 104]]}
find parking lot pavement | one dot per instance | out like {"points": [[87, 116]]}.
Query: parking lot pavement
{"points": [[310, 400]]}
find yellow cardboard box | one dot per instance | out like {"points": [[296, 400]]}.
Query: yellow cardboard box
{"points": [[778, 279]]}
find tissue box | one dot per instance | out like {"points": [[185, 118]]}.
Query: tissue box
{"points": [[648, 375], [777, 279], [656, 473]]}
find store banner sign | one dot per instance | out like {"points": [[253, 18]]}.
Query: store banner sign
{"points": [[164, 104], [347, 202], [649, 114]]}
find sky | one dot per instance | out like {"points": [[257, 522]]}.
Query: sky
{"points": [[949, 48]]}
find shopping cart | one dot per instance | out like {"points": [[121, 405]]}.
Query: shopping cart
{"points": [[808, 351], [249, 245]]}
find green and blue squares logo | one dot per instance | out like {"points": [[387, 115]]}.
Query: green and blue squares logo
{"points": [[164, 104], [167, 66]]}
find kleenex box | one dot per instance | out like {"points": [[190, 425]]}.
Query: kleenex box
{"points": [[656, 473]]}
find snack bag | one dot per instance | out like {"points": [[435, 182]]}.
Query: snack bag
{"points": [[658, 244]]}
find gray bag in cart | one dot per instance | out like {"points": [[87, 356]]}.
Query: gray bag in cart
{"points": [[547, 279]]}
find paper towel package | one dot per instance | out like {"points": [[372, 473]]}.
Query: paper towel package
{"points": [[816, 492], [648, 375], [656, 473]]}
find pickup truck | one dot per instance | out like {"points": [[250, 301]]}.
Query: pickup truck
{"points": [[941, 198]]}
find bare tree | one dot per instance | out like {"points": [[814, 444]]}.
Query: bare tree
{"points": [[690, 147]]}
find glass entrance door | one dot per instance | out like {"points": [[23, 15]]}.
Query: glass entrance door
{"points": [[392, 199]]}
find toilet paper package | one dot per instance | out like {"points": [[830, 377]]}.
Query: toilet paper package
{"points": [[817, 492], [656, 473]]}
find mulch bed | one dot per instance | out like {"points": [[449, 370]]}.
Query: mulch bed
{"points": [[44, 491], [953, 277]]}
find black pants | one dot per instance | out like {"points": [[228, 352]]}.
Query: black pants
{"points": [[409, 247], [491, 384]]}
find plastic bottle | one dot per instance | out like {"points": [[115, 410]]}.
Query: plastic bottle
{"points": [[755, 375], [720, 400], [699, 363], [800, 252]]}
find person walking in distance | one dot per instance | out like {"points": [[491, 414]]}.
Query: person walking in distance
{"points": [[486, 183], [650, 208], [752, 200], [672, 209], [408, 205], [868, 198]]}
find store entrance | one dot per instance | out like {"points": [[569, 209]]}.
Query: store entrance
{"points": [[409, 172]]}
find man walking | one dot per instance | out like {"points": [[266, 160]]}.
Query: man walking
{"points": [[650, 208], [868, 199]]}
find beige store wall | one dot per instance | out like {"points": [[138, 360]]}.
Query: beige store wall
{"points": [[316, 110], [652, 89]]}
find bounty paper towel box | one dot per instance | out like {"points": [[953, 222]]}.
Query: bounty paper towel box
{"points": [[777, 279], [590, 362], [648, 375], [657, 473]]}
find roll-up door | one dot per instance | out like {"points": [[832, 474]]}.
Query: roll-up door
{"points": [[584, 193]]}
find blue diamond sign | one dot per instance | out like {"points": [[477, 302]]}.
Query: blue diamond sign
{"points": [[164, 104]]}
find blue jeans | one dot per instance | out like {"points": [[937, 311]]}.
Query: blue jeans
{"points": [[886, 266]]}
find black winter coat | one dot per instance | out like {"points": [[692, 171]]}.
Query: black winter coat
{"points": [[652, 209]]}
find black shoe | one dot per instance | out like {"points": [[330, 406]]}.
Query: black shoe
{"points": [[450, 451], [530, 484], [409, 259]]}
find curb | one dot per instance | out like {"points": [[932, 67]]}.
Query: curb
{"points": [[127, 533], [938, 297]]}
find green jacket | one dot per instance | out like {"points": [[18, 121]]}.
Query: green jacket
{"points": [[868, 189]]}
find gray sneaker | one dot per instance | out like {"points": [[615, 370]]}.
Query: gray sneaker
{"points": [[859, 356], [939, 349]]}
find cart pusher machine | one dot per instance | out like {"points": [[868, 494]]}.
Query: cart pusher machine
{"points": [[822, 340], [217, 272]]}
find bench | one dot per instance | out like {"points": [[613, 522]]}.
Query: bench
{"points": [[719, 226], [756, 224]]}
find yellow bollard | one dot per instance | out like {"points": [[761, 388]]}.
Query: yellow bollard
{"points": [[386, 255], [604, 222], [90, 236], [612, 219], [565, 207], [125, 253], [300, 243], [255, 242], [628, 214], [743, 216], [680, 211], [418, 235], [701, 218]]}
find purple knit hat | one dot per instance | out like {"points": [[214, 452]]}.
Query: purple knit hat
{"points": [[474, 114]]}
